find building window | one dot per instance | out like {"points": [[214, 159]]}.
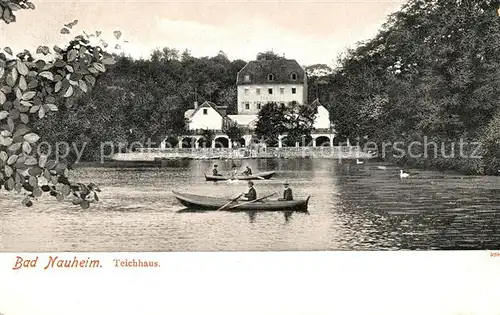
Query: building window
{"points": [[282, 90], [293, 76], [247, 105], [270, 77], [258, 91], [205, 111], [246, 78], [270, 91], [259, 105], [247, 91], [294, 91]]}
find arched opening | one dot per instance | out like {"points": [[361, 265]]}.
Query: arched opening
{"points": [[171, 142], [305, 141], [203, 143], [242, 142], [322, 141], [221, 142], [187, 142]]}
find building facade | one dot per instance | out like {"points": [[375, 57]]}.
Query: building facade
{"points": [[263, 81], [259, 82]]}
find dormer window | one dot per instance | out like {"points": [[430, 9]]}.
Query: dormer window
{"points": [[246, 78], [270, 77], [205, 111], [293, 76]]}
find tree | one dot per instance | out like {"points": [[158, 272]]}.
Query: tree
{"points": [[31, 90], [269, 55], [207, 138], [233, 131], [270, 123], [299, 121]]}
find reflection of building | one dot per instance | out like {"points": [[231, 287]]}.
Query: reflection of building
{"points": [[259, 82]]}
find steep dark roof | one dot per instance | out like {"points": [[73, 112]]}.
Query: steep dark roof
{"points": [[281, 69]]}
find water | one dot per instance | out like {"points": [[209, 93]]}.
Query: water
{"points": [[352, 207]]}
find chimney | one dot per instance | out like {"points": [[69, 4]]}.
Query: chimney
{"points": [[195, 104]]}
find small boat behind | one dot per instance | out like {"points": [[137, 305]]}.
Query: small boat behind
{"points": [[263, 175], [197, 202]]}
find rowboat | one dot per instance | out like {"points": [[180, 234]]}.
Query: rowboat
{"points": [[211, 203], [263, 175]]}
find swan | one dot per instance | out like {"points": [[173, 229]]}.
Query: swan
{"points": [[402, 174], [381, 167], [359, 162]]}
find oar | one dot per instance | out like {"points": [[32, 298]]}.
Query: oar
{"points": [[227, 204], [251, 201]]}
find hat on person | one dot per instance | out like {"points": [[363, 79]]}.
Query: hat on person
{"points": [[216, 165], [285, 182], [250, 182]]}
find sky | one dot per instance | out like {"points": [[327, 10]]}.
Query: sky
{"points": [[310, 32]]}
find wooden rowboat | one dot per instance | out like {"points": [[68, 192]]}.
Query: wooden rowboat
{"points": [[197, 202], [263, 175]]}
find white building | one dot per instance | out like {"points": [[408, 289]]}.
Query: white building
{"points": [[259, 82], [263, 81]]}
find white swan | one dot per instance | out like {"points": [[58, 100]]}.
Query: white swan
{"points": [[359, 162], [403, 174], [381, 167]]}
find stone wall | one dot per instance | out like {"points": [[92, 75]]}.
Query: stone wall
{"points": [[342, 152]]}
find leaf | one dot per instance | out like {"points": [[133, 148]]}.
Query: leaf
{"points": [[90, 79], [64, 31], [12, 159], [3, 98], [52, 107], [26, 147], [31, 137], [8, 50], [27, 202], [83, 86], [50, 164], [85, 204], [76, 201], [117, 34], [28, 95], [24, 118], [37, 192], [41, 112], [3, 156], [108, 61], [14, 74], [43, 50], [47, 75], [3, 114], [9, 184], [22, 83], [42, 160], [99, 66], [8, 171], [14, 147], [95, 196], [33, 84], [72, 54], [35, 171], [69, 92], [34, 109], [5, 141], [59, 197], [98, 33], [65, 190], [33, 181], [22, 68], [30, 161]]}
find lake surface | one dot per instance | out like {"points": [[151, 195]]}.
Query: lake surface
{"points": [[352, 207]]}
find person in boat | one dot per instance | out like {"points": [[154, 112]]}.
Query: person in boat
{"points": [[252, 193], [234, 171], [215, 171], [247, 171], [287, 192]]}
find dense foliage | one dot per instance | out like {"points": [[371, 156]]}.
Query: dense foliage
{"points": [[32, 89], [432, 72], [293, 120]]}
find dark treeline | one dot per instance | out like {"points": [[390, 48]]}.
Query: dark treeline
{"points": [[137, 100], [433, 73]]}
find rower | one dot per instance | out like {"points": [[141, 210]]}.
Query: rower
{"points": [[251, 194], [247, 171], [215, 172], [287, 192]]}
